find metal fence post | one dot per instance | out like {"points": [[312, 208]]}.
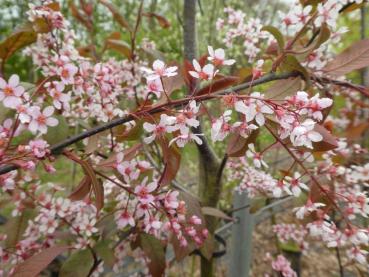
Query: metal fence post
{"points": [[241, 241]]}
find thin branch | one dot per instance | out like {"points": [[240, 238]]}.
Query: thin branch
{"points": [[56, 149]]}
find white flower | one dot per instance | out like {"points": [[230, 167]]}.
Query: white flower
{"points": [[308, 208], [304, 134], [159, 130], [217, 57], [184, 138], [295, 184], [206, 73], [255, 156], [254, 108], [220, 127], [160, 70]]}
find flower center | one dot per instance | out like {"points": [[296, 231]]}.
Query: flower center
{"points": [[9, 91], [41, 119]]}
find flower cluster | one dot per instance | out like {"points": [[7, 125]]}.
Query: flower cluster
{"points": [[249, 32], [291, 232]]}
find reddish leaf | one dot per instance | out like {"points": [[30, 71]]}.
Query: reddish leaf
{"points": [[323, 36], [93, 143], [282, 88], [96, 183], [117, 16], [120, 46], [329, 142], [356, 132], [173, 83], [154, 250], [354, 57], [79, 16], [86, 51], [238, 145], [35, 264], [218, 85], [163, 22], [20, 38], [82, 190], [172, 161]]}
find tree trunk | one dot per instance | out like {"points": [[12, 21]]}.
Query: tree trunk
{"points": [[210, 169]]}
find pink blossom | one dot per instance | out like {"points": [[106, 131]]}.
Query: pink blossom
{"points": [[40, 120], [67, 72], [155, 86], [124, 219], [143, 191], [11, 92], [308, 208], [39, 147], [187, 118], [282, 265], [60, 99]]}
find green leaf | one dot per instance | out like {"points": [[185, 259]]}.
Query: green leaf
{"points": [[78, 264], [290, 246], [276, 34], [105, 251], [121, 134], [35, 264], [290, 64]]}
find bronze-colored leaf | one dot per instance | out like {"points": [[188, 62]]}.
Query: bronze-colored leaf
{"points": [[329, 142], [82, 190], [172, 161], [22, 37], [283, 88], [35, 264], [163, 22], [117, 16], [120, 46], [354, 57], [217, 85]]}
